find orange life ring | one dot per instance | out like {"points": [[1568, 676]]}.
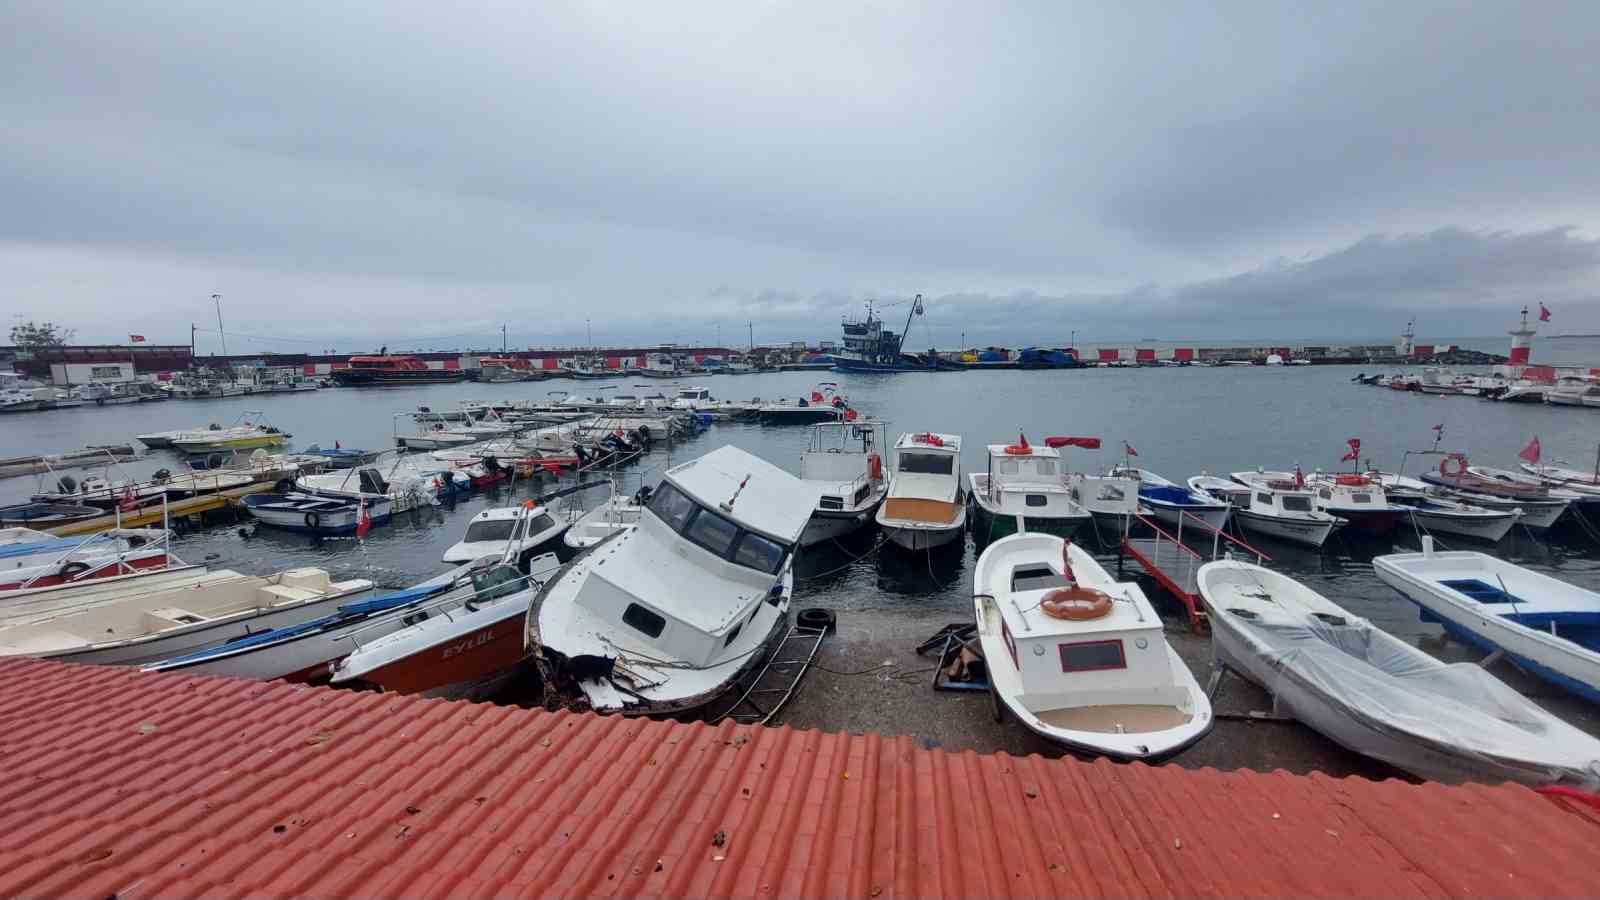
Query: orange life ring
{"points": [[1352, 480], [1460, 459], [874, 467], [931, 439], [1078, 604], [1018, 450]]}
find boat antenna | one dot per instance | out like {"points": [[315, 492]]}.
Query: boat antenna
{"points": [[727, 505]]}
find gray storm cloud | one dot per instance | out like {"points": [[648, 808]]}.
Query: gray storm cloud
{"points": [[357, 173]]}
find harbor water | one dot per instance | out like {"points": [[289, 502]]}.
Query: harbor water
{"points": [[1180, 422]]}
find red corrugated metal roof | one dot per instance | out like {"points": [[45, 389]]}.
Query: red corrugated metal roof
{"points": [[118, 783]]}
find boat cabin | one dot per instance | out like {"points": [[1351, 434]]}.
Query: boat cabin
{"points": [[1097, 674], [712, 547], [844, 459], [927, 484], [1350, 491], [1282, 498], [691, 398]]}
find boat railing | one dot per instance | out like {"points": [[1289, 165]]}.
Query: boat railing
{"points": [[123, 567], [447, 604], [1219, 538]]}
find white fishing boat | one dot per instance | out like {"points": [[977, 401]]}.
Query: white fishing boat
{"points": [[1358, 499], [1222, 490], [517, 533], [1561, 476], [825, 404], [1541, 506], [1024, 489], [620, 512], [1079, 658], [1446, 516], [403, 482], [314, 514], [1572, 390], [49, 561], [12, 401], [843, 461], [1110, 500], [227, 440], [1170, 502], [1283, 508], [1545, 625], [305, 653], [1378, 695], [666, 617], [154, 625], [467, 653], [924, 507]]}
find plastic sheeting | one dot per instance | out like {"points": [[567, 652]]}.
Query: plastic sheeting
{"points": [[1379, 696]]}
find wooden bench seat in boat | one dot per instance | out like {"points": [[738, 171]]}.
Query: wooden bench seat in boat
{"points": [[1133, 718], [171, 617], [913, 509]]}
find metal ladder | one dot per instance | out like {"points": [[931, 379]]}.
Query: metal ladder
{"points": [[778, 679]]}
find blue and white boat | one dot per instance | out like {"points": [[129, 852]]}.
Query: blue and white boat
{"points": [[868, 348], [312, 514], [1546, 626], [343, 457], [1168, 501]]}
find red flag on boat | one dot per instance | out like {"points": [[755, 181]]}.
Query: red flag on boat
{"points": [[363, 524], [1087, 443], [1532, 451], [336, 446], [850, 415], [1544, 314], [136, 338], [1355, 450], [129, 502], [1299, 478], [816, 396], [1022, 439], [1439, 428], [1128, 449]]}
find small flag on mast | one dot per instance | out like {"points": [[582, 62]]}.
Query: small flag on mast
{"points": [[363, 524], [1355, 450], [1127, 448], [136, 338], [1544, 313], [1531, 452]]}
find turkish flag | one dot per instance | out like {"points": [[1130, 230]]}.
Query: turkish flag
{"points": [[1531, 452], [363, 524], [1355, 450], [136, 338], [1544, 314]]}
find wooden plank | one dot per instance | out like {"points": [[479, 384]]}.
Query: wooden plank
{"points": [[147, 516]]}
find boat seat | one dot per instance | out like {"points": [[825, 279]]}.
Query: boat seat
{"points": [[284, 595], [1134, 718], [172, 617], [911, 509]]}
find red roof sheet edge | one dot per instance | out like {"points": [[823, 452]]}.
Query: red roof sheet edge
{"points": [[132, 784]]}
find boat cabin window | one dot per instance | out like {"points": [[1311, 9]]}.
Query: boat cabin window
{"points": [[646, 622], [1008, 467], [714, 532], [757, 552], [1325, 494], [1093, 656], [1297, 503], [1265, 499], [927, 463], [1035, 578], [1361, 497], [497, 582], [861, 493], [830, 503], [1035, 500], [1044, 466]]}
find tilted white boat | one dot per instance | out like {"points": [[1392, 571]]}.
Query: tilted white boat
{"points": [[1079, 658], [925, 506], [1378, 695], [1024, 489], [666, 617], [1547, 626], [402, 481], [1170, 502], [843, 461], [144, 627], [1283, 509]]}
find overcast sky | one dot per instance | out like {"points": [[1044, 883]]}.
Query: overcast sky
{"points": [[353, 173]]}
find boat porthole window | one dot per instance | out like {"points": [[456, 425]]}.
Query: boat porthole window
{"points": [[1325, 494], [648, 623], [1038, 649], [1036, 500], [1141, 643]]}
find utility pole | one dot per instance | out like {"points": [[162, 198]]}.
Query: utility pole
{"points": [[217, 299], [502, 339], [752, 327], [191, 341]]}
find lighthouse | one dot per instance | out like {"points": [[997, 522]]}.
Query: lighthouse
{"points": [[1521, 342]]}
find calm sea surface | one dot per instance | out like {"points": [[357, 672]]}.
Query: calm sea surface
{"points": [[1182, 421]]}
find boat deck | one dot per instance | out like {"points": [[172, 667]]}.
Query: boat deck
{"points": [[1116, 718]]}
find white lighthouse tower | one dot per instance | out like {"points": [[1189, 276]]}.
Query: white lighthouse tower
{"points": [[1521, 342], [1407, 342]]}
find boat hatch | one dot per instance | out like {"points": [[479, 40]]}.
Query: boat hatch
{"points": [[831, 503], [1035, 578], [912, 509], [1482, 591]]}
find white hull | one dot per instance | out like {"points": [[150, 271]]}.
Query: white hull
{"points": [[1170, 514], [828, 525], [1285, 528], [1483, 528], [924, 537], [206, 635], [1540, 514]]}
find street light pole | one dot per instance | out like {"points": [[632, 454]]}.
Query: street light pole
{"points": [[217, 299]]}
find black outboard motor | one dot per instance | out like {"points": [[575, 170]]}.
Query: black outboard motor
{"points": [[582, 455], [490, 464], [642, 495], [66, 484]]}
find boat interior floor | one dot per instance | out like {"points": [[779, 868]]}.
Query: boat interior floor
{"points": [[1107, 719]]}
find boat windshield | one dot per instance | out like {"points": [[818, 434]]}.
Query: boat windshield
{"points": [[1296, 503], [500, 529], [492, 584], [927, 463], [716, 533]]}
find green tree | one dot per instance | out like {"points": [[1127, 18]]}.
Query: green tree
{"points": [[40, 334]]}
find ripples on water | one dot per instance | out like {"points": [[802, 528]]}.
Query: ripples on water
{"points": [[1182, 421]]}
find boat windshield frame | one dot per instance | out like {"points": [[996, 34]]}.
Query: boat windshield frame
{"points": [[745, 548]]}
